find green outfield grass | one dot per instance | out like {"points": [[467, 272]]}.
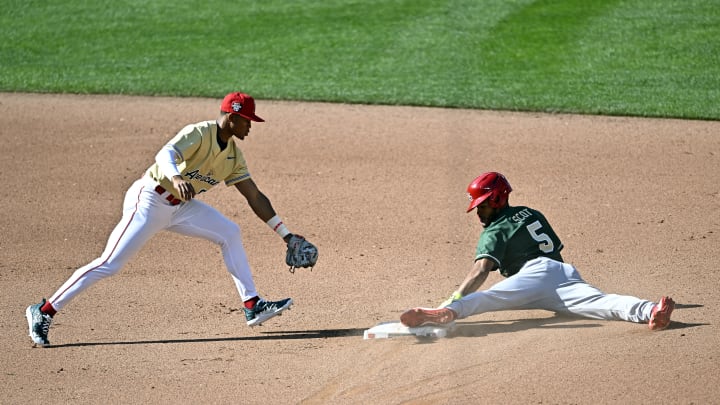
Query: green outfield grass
{"points": [[644, 57]]}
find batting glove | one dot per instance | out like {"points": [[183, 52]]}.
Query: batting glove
{"points": [[454, 297]]}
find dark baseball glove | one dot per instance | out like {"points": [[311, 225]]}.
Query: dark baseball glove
{"points": [[300, 253]]}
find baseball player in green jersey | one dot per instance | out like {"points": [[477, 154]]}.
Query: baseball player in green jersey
{"points": [[521, 244], [199, 157]]}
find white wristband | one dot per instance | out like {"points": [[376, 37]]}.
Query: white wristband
{"points": [[277, 225]]}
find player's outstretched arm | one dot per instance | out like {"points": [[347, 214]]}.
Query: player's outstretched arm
{"points": [[259, 203], [477, 275], [473, 281], [262, 207], [300, 252]]}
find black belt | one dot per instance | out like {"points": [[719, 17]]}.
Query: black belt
{"points": [[171, 198]]}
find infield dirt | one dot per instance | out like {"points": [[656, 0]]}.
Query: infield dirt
{"points": [[381, 191]]}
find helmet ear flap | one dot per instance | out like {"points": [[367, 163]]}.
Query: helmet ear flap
{"points": [[500, 190], [494, 200], [498, 199]]}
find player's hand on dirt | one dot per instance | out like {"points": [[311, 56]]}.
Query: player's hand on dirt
{"points": [[184, 188], [454, 297]]}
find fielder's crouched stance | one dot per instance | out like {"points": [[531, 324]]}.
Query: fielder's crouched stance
{"points": [[521, 244], [199, 157]]}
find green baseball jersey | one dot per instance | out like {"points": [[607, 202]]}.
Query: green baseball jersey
{"points": [[516, 235], [201, 161]]}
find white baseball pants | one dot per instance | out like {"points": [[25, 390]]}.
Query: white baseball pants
{"points": [[145, 213], [544, 283]]}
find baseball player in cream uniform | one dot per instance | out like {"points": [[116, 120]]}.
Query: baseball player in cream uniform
{"points": [[199, 157]]}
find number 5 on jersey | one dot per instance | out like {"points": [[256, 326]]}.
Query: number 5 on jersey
{"points": [[545, 243]]}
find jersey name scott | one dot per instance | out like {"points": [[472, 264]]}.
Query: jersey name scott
{"points": [[195, 175], [521, 215]]}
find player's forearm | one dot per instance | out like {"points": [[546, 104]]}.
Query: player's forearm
{"points": [[472, 282], [262, 207], [476, 277], [274, 221]]}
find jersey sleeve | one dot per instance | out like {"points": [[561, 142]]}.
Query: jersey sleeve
{"points": [[492, 245], [241, 171], [186, 142], [182, 146]]}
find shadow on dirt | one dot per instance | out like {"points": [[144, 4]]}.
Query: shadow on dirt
{"points": [[466, 329], [280, 335], [686, 306], [483, 328]]}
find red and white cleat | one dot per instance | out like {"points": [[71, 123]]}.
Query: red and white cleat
{"points": [[660, 318], [427, 316]]}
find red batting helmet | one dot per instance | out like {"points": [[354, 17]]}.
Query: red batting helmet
{"points": [[491, 186]]}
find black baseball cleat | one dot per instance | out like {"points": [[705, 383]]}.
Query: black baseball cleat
{"points": [[39, 324], [264, 310]]}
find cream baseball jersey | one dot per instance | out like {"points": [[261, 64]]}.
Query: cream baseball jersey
{"points": [[201, 161]]}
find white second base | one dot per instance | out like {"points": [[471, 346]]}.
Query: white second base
{"points": [[385, 330]]}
